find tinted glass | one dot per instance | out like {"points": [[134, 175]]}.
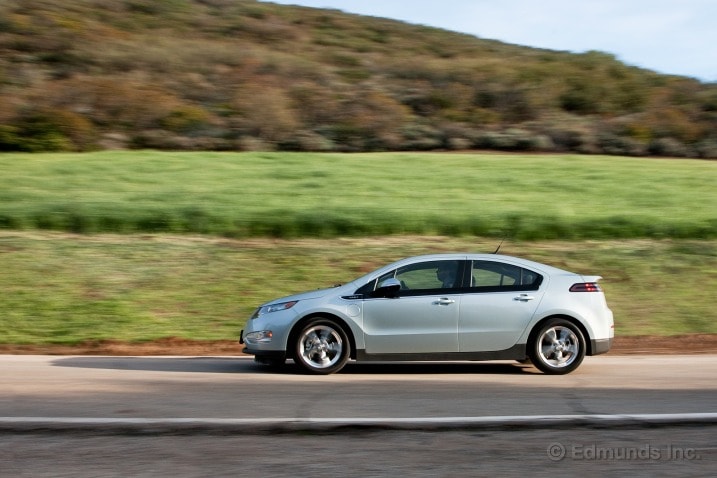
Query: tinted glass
{"points": [[429, 275], [498, 275]]}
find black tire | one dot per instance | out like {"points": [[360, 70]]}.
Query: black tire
{"points": [[557, 347], [321, 347]]}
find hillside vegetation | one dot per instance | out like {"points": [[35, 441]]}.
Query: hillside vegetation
{"points": [[244, 75]]}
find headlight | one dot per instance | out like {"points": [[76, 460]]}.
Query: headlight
{"points": [[261, 336], [267, 309]]}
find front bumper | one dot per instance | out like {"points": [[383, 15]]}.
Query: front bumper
{"points": [[264, 338]]}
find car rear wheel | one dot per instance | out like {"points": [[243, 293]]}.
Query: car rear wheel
{"points": [[558, 347], [321, 347]]}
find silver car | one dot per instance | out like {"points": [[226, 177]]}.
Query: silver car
{"points": [[439, 307]]}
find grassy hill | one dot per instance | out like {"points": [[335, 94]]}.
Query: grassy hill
{"points": [[245, 75]]}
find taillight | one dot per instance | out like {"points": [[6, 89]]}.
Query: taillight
{"points": [[586, 287]]}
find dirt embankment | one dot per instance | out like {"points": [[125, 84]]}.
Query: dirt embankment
{"points": [[629, 345]]}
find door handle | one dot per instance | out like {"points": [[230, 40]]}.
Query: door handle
{"points": [[524, 298], [444, 301]]}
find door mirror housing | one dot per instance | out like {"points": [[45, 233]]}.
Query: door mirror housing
{"points": [[388, 288]]}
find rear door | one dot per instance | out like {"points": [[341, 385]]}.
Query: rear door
{"points": [[498, 305]]}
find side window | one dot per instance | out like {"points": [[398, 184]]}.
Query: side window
{"points": [[422, 278], [498, 276], [430, 275], [367, 289]]}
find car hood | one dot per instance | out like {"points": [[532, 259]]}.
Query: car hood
{"points": [[313, 294]]}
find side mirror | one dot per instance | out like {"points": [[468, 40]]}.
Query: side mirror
{"points": [[388, 288]]}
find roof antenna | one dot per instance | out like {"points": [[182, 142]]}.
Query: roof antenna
{"points": [[498, 248]]}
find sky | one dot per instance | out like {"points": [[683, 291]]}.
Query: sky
{"points": [[668, 36]]}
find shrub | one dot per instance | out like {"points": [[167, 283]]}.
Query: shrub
{"points": [[37, 132], [186, 119], [48, 129], [621, 146], [9, 139], [421, 137], [78, 129], [707, 149], [573, 138], [458, 143], [669, 147], [158, 139], [251, 143], [582, 97], [306, 141], [512, 139], [265, 112]]}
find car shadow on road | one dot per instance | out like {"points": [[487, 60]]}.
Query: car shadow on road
{"points": [[434, 368], [244, 365], [162, 364]]}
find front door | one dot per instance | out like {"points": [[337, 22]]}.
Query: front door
{"points": [[424, 316]]}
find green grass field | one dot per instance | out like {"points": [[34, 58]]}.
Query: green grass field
{"points": [[63, 288], [526, 197], [187, 244]]}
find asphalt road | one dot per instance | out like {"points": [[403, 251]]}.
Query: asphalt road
{"points": [[224, 388], [227, 387]]}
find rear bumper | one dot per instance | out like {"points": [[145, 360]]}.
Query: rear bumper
{"points": [[600, 346]]}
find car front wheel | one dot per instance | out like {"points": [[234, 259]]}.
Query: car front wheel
{"points": [[321, 347], [558, 347]]}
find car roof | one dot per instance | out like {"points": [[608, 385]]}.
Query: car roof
{"points": [[540, 267]]}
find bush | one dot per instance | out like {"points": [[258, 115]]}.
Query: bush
{"points": [[306, 141], [707, 149], [37, 132], [9, 139], [421, 137], [582, 98], [512, 139], [621, 146], [47, 129], [251, 143], [458, 144], [158, 139], [186, 119], [577, 139], [669, 147]]}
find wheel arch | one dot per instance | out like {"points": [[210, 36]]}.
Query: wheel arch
{"points": [[583, 330], [324, 315]]}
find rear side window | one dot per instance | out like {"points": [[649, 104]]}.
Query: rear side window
{"points": [[498, 276]]}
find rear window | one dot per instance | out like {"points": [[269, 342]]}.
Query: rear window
{"points": [[490, 275]]}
